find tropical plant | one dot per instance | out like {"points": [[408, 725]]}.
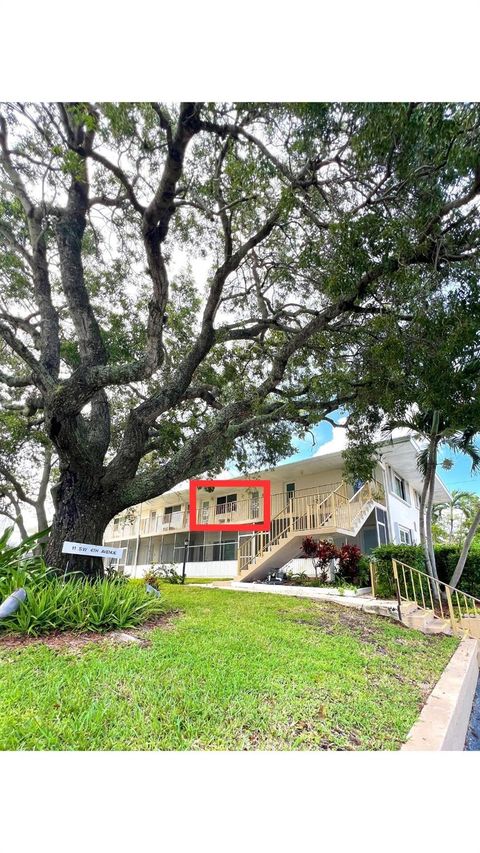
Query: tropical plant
{"points": [[453, 516], [436, 431], [322, 552], [18, 564], [348, 563], [79, 605]]}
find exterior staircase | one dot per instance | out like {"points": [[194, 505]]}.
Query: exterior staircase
{"points": [[433, 606], [424, 620], [305, 515]]}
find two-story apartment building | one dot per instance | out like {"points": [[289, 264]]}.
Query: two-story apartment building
{"points": [[308, 497]]}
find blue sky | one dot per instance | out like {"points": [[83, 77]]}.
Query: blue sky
{"points": [[459, 477]]}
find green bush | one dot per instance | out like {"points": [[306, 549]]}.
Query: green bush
{"points": [[166, 572], [446, 559], [79, 605], [364, 571], [412, 555]]}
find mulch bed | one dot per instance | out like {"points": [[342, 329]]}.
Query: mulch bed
{"points": [[72, 640]]}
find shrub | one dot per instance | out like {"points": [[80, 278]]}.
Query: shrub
{"points": [[364, 571], [348, 560], [78, 605], [166, 572], [322, 554], [412, 555], [446, 560], [309, 546]]}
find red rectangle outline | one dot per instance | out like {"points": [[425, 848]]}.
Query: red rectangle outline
{"points": [[262, 525]]}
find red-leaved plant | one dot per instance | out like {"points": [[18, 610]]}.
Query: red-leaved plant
{"points": [[322, 553], [348, 559]]}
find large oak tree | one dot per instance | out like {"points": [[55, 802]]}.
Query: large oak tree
{"points": [[183, 284]]}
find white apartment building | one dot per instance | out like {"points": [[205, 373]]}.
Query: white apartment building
{"points": [[308, 497]]}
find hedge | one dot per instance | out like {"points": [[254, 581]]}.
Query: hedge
{"points": [[446, 558]]}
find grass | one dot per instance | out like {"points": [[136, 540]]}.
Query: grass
{"points": [[206, 580], [232, 671]]}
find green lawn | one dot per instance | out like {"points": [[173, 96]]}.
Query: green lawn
{"points": [[233, 671], [205, 580]]}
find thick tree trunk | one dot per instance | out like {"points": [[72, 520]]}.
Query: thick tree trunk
{"points": [[81, 515]]}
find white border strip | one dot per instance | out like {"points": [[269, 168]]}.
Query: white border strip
{"points": [[443, 721]]}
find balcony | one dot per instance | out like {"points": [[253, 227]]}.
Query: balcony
{"points": [[248, 510]]}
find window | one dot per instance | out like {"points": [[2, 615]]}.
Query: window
{"points": [[229, 549], [255, 505], [226, 503], [225, 548], [416, 498], [205, 511], [290, 491], [169, 510], [196, 548], [382, 525], [166, 554], [130, 554], [405, 536], [400, 487]]}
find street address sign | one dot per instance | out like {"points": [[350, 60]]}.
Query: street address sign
{"points": [[85, 550]]}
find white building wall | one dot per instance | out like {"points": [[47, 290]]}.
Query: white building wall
{"points": [[401, 513], [208, 569]]}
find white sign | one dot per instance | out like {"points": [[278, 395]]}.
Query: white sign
{"points": [[91, 550]]}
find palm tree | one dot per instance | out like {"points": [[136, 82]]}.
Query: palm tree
{"points": [[465, 503], [437, 432]]}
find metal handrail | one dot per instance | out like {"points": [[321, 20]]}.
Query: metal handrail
{"points": [[459, 613], [245, 557]]}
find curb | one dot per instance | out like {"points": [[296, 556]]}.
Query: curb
{"points": [[443, 721]]}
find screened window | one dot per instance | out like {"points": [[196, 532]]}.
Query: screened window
{"points": [[229, 549], [130, 552]]}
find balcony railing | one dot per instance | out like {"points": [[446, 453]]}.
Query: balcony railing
{"points": [[242, 511]]}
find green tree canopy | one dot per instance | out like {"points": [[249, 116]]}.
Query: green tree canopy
{"points": [[183, 284]]}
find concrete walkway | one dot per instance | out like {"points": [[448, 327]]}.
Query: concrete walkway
{"points": [[378, 606]]}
